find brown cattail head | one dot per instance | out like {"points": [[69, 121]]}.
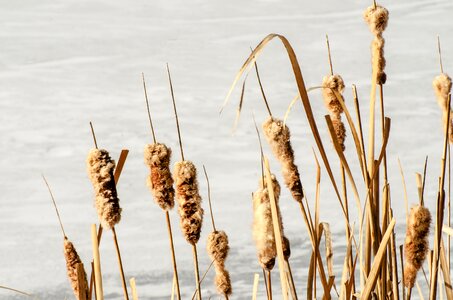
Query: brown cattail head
{"points": [[286, 248], [223, 282], [263, 229], [72, 259], [331, 84], [189, 199], [217, 246], [100, 171], [416, 243], [376, 18], [160, 181], [377, 59], [410, 274], [442, 87], [278, 137], [339, 128]]}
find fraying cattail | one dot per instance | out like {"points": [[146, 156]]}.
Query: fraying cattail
{"points": [[263, 230], [442, 87], [330, 84], [278, 137], [189, 199], [160, 181], [340, 129], [416, 243], [286, 248], [223, 283], [72, 259], [218, 248], [376, 18], [100, 171]]}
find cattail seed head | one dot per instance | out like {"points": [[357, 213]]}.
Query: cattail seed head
{"points": [[189, 199], [100, 171], [217, 246], [376, 18], [286, 248], [331, 84], [416, 243], [72, 259], [442, 87], [160, 181], [278, 136], [223, 282], [339, 128], [377, 59]]}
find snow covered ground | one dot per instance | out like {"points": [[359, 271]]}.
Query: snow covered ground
{"points": [[64, 63]]}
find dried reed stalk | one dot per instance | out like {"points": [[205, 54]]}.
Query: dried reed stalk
{"points": [[278, 137], [97, 264]]}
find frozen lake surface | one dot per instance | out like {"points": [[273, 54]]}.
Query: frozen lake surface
{"points": [[64, 63]]}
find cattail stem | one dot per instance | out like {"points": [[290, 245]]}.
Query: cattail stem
{"points": [[440, 55], [97, 264], [262, 89], [269, 284], [173, 255], [291, 281], [329, 55], [55, 205], [147, 107], [94, 135], [120, 264], [209, 198], [202, 278], [197, 273], [176, 113]]}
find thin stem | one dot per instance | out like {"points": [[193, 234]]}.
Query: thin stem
{"points": [[261, 149], [424, 180], [269, 284], [176, 113], [147, 107], [374, 4], [120, 264], [173, 255], [209, 198], [55, 205], [94, 135], [14, 290], [328, 52], [261, 88], [440, 55], [197, 273], [203, 277]]}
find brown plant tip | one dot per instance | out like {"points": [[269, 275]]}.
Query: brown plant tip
{"points": [[376, 18], [263, 229], [189, 199], [340, 129], [442, 87], [217, 246], [377, 59], [278, 136], [72, 259], [286, 248], [416, 243], [331, 84], [160, 181], [223, 282], [100, 171]]}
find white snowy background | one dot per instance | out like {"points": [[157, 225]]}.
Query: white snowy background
{"points": [[65, 63]]}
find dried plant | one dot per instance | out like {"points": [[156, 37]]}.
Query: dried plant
{"points": [[218, 248], [72, 259]]}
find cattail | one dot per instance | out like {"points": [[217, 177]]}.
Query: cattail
{"points": [[330, 84], [189, 199], [377, 19], [416, 243], [72, 259], [160, 181], [263, 230], [442, 87], [218, 248], [100, 171], [278, 136]]}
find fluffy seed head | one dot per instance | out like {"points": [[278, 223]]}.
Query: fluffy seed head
{"points": [[378, 59], [286, 248], [442, 87], [376, 18], [100, 171], [416, 243], [217, 246], [189, 199], [160, 181], [72, 259], [340, 129], [410, 274], [330, 84], [223, 282], [278, 136]]}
